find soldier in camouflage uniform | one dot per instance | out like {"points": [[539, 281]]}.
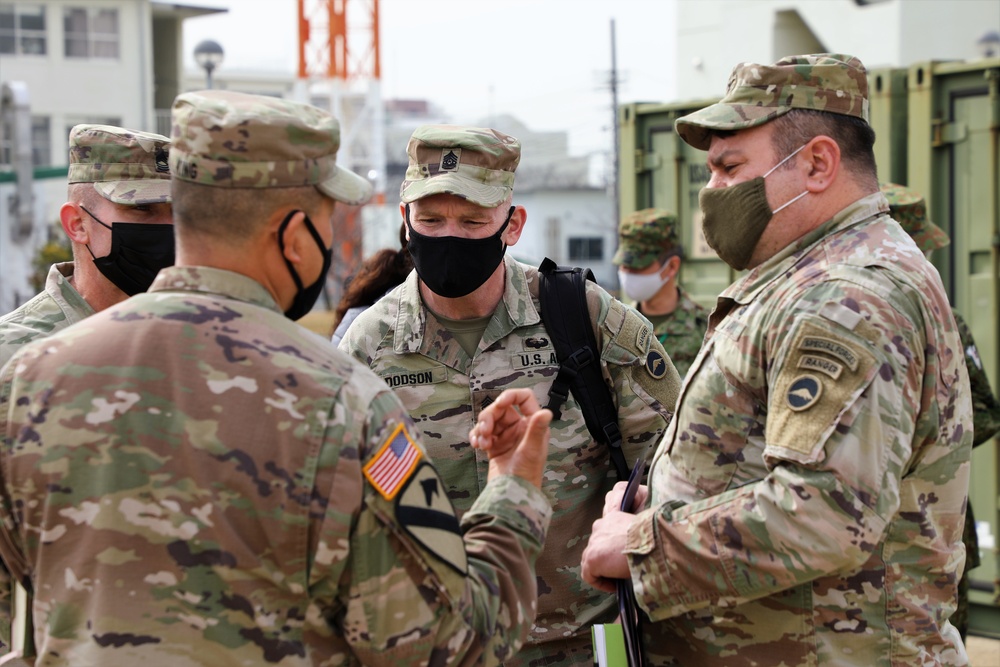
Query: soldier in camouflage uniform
{"points": [[807, 502], [465, 325], [115, 175], [908, 208], [649, 260], [117, 218], [191, 478]]}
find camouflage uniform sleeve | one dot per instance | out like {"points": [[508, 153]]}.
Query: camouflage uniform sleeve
{"points": [[414, 586], [828, 494], [643, 379], [8, 534], [985, 407]]}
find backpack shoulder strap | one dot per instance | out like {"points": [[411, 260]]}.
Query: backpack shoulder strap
{"points": [[563, 295]]}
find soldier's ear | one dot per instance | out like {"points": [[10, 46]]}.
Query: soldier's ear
{"points": [[71, 218], [673, 265], [290, 233], [822, 158]]}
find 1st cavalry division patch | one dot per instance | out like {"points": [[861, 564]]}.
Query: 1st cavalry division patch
{"points": [[424, 511]]}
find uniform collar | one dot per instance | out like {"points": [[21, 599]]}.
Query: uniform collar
{"points": [[208, 280]]}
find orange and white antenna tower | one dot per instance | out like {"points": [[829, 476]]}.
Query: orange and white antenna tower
{"points": [[339, 44]]}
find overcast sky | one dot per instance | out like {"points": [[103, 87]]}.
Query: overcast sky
{"points": [[546, 62]]}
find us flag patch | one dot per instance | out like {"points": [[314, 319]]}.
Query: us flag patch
{"points": [[394, 463]]}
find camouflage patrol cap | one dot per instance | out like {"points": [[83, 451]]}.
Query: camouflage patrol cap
{"points": [[234, 140], [644, 236], [125, 166], [756, 94], [476, 163], [907, 207]]}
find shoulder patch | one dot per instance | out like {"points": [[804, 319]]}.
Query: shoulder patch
{"points": [[642, 338], [394, 463], [656, 365], [635, 334], [804, 392], [425, 513], [827, 369]]}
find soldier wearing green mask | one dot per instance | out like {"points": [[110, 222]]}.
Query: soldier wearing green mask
{"points": [[117, 218], [466, 324], [806, 504]]}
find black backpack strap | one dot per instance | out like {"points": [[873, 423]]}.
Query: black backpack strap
{"points": [[563, 295]]}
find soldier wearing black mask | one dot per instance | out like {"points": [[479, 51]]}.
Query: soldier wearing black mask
{"points": [[466, 325], [117, 217]]}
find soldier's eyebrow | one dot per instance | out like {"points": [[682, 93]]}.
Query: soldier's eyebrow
{"points": [[718, 160]]}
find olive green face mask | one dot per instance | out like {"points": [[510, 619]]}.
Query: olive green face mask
{"points": [[735, 217]]}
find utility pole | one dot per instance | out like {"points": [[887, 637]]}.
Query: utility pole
{"points": [[614, 126], [614, 123]]}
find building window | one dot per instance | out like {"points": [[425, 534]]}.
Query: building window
{"points": [[90, 32], [22, 30], [41, 142], [586, 248]]}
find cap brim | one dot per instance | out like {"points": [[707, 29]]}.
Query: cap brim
{"points": [[934, 238], [347, 187], [487, 196], [696, 128], [619, 257], [136, 192]]}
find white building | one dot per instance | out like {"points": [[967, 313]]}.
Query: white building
{"points": [[76, 61], [714, 35]]}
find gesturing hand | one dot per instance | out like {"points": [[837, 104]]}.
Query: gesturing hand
{"points": [[514, 433]]}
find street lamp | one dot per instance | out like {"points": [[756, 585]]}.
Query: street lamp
{"points": [[989, 44], [208, 54]]}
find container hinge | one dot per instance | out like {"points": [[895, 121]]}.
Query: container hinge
{"points": [[647, 161], [944, 133]]}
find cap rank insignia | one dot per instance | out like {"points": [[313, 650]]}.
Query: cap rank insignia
{"points": [[450, 160]]}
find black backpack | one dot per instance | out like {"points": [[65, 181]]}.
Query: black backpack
{"points": [[563, 294]]}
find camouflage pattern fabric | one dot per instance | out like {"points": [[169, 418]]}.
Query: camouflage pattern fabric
{"points": [[188, 480], [444, 391], [985, 425], [809, 496], [475, 163], [126, 166], [235, 140], [908, 208], [55, 308], [831, 82], [51, 310], [644, 237], [682, 332]]}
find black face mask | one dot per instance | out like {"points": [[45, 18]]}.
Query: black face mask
{"points": [[138, 252], [452, 266], [306, 297]]}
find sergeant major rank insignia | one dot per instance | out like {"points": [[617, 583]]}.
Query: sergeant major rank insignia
{"points": [[450, 160], [162, 160]]}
